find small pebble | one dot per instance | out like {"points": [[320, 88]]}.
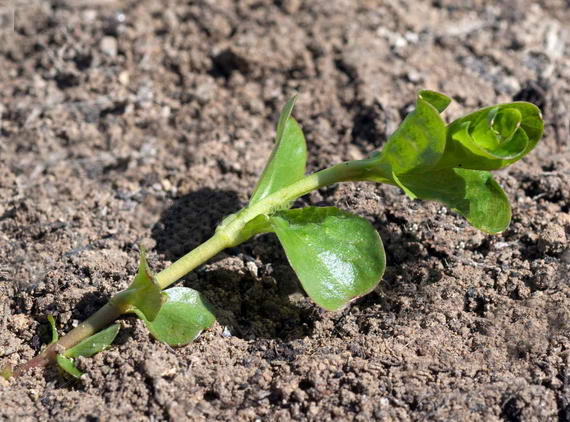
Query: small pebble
{"points": [[108, 46]]}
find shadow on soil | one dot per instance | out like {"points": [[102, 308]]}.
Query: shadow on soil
{"points": [[247, 299]]}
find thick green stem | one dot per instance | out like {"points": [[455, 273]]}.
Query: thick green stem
{"points": [[227, 234]]}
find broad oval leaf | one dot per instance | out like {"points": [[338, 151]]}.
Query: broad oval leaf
{"points": [[182, 318], [94, 344], [68, 366], [419, 142], [337, 256], [287, 162], [493, 137], [473, 194]]}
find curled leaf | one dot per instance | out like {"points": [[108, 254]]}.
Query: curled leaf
{"points": [[438, 100], [87, 348], [182, 318], [493, 137], [337, 256]]}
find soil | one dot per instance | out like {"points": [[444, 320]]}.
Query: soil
{"points": [[143, 122]]}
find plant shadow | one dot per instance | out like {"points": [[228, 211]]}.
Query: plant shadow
{"points": [[191, 220]]}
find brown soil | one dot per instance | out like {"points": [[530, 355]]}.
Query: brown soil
{"points": [[145, 122]]}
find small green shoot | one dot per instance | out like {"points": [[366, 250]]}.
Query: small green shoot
{"points": [[86, 348], [337, 256], [54, 335]]}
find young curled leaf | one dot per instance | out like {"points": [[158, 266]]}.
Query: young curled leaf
{"points": [[493, 137], [87, 348], [337, 256], [418, 144], [288, 159], [473, 194], [182, 318], [144, 293]]}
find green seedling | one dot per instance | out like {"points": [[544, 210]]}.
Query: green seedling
{"points": [[337, 256], [86, 348]]}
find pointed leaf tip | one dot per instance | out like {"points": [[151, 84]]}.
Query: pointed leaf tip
{"points": [[437, 100], [288, 159]]}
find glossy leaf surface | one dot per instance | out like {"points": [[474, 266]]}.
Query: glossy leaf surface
{"points": [[337, 256], [471, 193], [288, 159], [493, 137], [182, 318], [94, 344]]}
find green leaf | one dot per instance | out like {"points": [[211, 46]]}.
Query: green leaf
{"points": [[182, 318], [288, 159], [144, 293], [493, 137], [473, 194], [54, 335], [419, 142], [437, 100], [337, 256], [94, 344], [67, 365]]}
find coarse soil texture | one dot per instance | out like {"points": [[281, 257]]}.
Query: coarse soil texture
{"points": [[142, 122]]}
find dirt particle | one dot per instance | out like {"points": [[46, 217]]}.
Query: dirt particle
{"points": [[552, 240]]}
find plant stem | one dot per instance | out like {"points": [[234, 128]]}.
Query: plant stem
{"points": [[96, 322], [228, 234]]}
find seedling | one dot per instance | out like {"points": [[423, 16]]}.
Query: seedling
{"points": [[337, 256]]}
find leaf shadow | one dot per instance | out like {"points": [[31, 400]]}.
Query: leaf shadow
{"points": [[191, 220], [249, 298]]}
